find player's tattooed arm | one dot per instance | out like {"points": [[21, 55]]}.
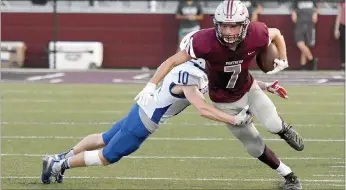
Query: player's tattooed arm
{"points": [[173, 61], [279, 41], [195, 97]]}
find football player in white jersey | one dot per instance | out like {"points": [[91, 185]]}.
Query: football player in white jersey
{"points": [[183, 86]]}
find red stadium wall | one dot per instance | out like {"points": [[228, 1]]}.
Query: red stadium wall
{"points": [[136, 40]]}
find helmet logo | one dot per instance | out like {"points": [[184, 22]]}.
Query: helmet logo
{"points": [[243, 11]]}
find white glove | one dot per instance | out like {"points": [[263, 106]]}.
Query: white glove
{"points": [[147, 93], [276, 89], [243, 118], [280, 64]]}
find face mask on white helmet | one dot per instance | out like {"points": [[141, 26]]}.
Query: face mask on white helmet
{"points": [[231, 20]]}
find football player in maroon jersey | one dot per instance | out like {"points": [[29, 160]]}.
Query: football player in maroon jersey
{"points": [[228, 49]]}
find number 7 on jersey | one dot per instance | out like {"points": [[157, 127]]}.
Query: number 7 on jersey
{"points": [[235, 69]]}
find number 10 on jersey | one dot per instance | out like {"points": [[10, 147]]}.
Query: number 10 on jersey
{"points": [[183, 77]]}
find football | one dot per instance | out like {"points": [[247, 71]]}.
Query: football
{"points": [[265, 58]]}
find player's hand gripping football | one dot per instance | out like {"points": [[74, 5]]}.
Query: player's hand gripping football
{"points": [[146, 94], [276, 89], [243, 118], [280, 64]]}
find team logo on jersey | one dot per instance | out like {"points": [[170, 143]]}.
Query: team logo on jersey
{"points": [[251, 53], [234, 62]]}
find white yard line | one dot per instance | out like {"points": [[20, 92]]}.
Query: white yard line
{"points": [[70, 123], [69, 92], [179, 179], [329, 175], [48, 76], [100, 100], [126, 111], [142, 76], [169, 138], [337, 185], [193, 157], [56, 80]]}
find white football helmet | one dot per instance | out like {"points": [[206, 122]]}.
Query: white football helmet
{"points": [[231, 12], [184, 43]]}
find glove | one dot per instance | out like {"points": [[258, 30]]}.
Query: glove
{"points": [[146, 94], [276, 89], [243, 118], [280, 64]]}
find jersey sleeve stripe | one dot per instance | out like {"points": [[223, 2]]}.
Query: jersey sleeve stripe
{"points": [[190, 49]]}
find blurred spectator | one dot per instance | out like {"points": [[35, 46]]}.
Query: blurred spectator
{"points": [[254, 9], [91, 3], [305, 16], [339, 32], [189, 12], [4, 4]]}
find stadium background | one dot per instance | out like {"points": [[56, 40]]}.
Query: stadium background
{"points": [[133, 36]]}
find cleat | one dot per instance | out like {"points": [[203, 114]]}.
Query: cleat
{"points": [[291, 137], [292, 182], [60, 177], [47, 172], [60, 156]]}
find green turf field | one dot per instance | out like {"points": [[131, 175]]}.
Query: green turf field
{"points": [[188, 152]]}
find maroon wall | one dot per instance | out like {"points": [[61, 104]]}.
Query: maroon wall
{"points": [[135, 40]]}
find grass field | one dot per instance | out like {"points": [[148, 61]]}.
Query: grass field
{"points": [[188, 152]]}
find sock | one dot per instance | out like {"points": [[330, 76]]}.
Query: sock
{"points": [[61, 165], [69, 154], [268, 157], [283, 170], [66, 164]]}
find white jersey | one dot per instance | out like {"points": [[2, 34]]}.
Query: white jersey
{"points": [[167, 104]]}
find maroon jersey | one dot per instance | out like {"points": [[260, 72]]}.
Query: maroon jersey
{"points": [[228, 70]]}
